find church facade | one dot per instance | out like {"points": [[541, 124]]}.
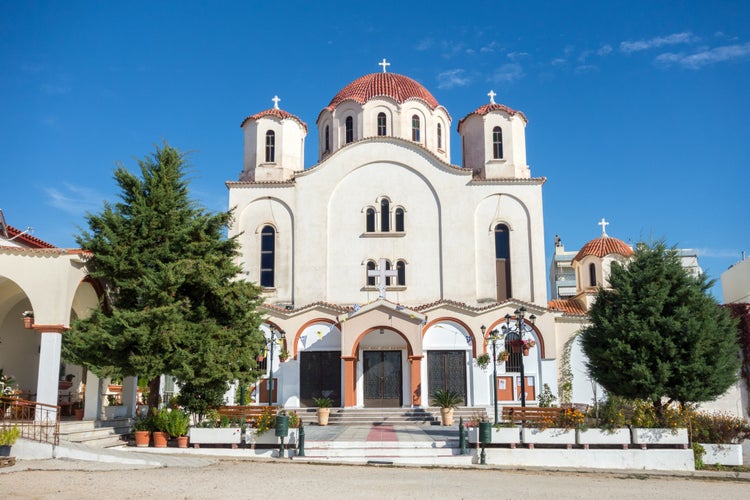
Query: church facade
{"points": [[386, 267]]}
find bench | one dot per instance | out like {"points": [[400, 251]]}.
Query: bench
{"points": [[531, 414]]}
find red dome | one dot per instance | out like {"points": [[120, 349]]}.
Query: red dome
{"points": [[604, 245], [278, 113], [397, 87], [488, 108]]}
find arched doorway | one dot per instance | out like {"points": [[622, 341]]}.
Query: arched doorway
{"points": [[383, 353]]}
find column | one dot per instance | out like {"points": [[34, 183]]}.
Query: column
{"points": [[416, 380], [130, 395], [350, 378], [49, 366]]}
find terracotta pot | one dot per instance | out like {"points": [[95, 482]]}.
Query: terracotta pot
{"points": [[323, 414], [28, 322], [525, 351], [142, 438], [182, 442], [447, 415], [160, 439], [78, 413]]}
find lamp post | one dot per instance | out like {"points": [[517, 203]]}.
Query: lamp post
{"points": [[275, 335], [516, 336], [494, 338]]}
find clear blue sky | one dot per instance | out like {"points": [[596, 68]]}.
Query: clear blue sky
{"points": [[638, 111]]}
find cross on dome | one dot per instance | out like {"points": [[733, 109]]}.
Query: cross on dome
{"points": [[604, 225], [492, 95], [275, 102], [382, 273], [384, 64]]}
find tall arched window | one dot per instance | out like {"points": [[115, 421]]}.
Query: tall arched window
{"points": [[385, 216], [370, 279], [328, 140], [592, 274], [497, 143], [370, 220], [415, 128], [439, 136], [401, 269], [399, 213], [270, 146], [502, 262], [267, 256], [382, 129], [349, 126]]}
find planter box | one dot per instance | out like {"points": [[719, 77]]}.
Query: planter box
{"points": [[618, 437], [551, 435], [269, 437], [112, 412], [644, 437], [722, 454], [503, 435], [218, 435]]}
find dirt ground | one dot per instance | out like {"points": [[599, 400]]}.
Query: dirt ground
{"points": [[244, 479]]}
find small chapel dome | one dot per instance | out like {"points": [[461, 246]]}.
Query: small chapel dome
{"points": [[398, 87], [277, 113], [603, 246]]}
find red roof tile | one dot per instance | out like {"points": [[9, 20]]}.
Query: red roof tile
{"points": [[488, 108], [604, 245], [567, 306], [397, 87], [278, 113]]}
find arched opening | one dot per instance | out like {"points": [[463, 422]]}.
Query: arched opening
{"points": [[382, 128], [267, 256], [270, 146], [497, 143], [502, 262]]}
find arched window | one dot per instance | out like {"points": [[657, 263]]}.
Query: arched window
{"points": [[502, 262], [328, 140], [385, 216], [401, 269], [415, 128], [349, 129], [270, 146], [370, 279], [592, 274], [387, 268], [399, 220], [370, 222], [381, 124], [267, 256], [497, 143], [513, 364], [439, 136]]}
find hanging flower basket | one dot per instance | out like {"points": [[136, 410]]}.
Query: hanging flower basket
{"points": [[515, 346], [525, 351], [28, 322]]}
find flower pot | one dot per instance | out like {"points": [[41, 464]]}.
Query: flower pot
{"points": [[28, 322], [722, 454], [5, 449], [598, 436], [550, 435], [215, 435], [646, 436], [182, 442], [160, 439], [78, 413], [446, 414], [323, 414], [142, 438], [525, 351]]}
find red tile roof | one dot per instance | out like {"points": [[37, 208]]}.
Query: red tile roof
{"points": [[488, 108], [26, 239], [567, 306], [604, 245], [278, 113], [397, 87]]}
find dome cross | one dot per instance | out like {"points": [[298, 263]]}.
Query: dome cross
{"points": [[275, 102], [384, 64], [604, 225], [492, 95]]}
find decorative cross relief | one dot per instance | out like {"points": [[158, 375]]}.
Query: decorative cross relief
{"points": [[492, 95], [604, 225], [382, 273], [275, 102], [384, 64]]}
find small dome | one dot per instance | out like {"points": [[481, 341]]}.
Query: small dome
{"points": [[488, 108], [602, 246], [398, 87], [278, 113]]}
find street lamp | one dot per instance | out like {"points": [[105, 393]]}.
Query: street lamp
{"points": [[274, 336], [515, 335], [494, 337]]}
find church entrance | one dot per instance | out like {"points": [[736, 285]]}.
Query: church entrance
{"points": [[319, 375], [447, 370], [382, 379]]}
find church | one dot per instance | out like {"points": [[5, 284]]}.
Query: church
{"points": [[388, 271]]}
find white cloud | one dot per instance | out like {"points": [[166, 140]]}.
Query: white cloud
{"points": [[425, 43], [452, 78], [76, 200], [585, 68], [720, 253], [705, 57], [659, 41], [514, 56], [604, 50], [507, 73], [559, 61], [490, 47]]}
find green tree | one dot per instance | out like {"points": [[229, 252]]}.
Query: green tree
{"points": [[173, 303], [657, 333]]}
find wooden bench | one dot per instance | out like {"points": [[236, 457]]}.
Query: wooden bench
{"points": [[529, 414], [243, 413]]}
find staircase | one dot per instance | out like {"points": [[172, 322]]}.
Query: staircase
{"points": [[391, 416], [105, 434]]}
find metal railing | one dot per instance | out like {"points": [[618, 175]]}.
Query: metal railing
{"points": [[37, 421]]}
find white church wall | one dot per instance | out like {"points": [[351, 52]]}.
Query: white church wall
{"points": [[447, 336], [19, 351]]}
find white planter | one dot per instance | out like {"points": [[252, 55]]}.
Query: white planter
{"points": [[645, 437], [269, 437], [217, 435], [551, 435], [603, 437], [503, 435], [722, 454], [112, 412]]}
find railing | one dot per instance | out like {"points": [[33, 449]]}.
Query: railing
{"points": [[37, 421]]}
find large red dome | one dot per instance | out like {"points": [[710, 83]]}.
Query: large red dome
{"points": [[602, 246], [397, 87]]}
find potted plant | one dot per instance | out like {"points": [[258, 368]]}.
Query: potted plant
{"points": [[283, 355], [8, 438], [78, 410], [503, 356], [177, 424], [142, 427], [161, 423], [483, 360], [28, 319], [214, 429], [324, 409], [447, 401]]}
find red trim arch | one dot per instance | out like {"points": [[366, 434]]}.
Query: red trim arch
{"points": [[459, 322], [301, 329], [355, 346], [539, 336]]}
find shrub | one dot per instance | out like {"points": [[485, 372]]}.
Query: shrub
{"points": [[718, 428], [323, 402], [9, 436], [546, 398], [612, 413], [445, 398]]}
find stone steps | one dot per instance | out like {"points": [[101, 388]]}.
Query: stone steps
{"points": [[390, 416], [105, 434]]}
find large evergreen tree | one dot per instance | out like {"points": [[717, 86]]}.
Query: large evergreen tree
{"points": [[173, 303], [657, 333]]}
